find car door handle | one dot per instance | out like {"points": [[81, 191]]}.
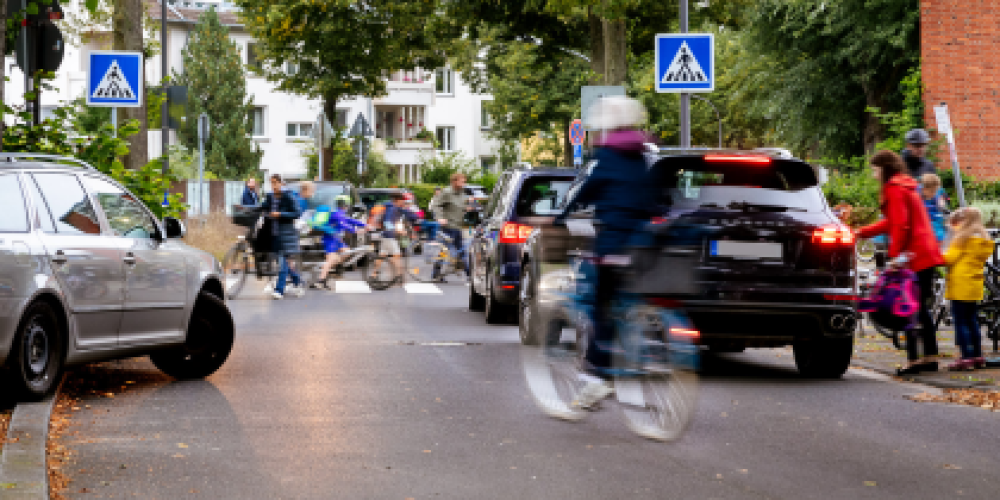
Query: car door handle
{"points": [[129, 259], [59, 257]]}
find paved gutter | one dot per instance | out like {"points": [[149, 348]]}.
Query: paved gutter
{"points": [[23, 464]]}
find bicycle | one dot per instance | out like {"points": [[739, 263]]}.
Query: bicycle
{"points": [[249, 256], [438, 254], [654, 360]]}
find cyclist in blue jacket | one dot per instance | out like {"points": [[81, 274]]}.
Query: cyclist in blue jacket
{"points": [[334, 223]]}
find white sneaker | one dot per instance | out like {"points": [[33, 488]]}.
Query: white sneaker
{"points": [[592, 394], [295, 291], [269, 287], [277, 296]]}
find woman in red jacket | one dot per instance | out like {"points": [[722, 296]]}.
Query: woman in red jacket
{"points": [[912, 244]]}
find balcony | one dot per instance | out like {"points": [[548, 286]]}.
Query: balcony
{"points": [[408, 88], [404, 152]]}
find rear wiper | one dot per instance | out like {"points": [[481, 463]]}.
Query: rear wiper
{"points": [[710, 205], [746, 206]]}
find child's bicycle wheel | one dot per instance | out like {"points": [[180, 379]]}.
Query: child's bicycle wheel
{"points": [[236, 265], [421, 265]]}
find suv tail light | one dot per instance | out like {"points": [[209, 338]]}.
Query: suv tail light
{"points": [[512, 232], [737, 159], [831, 235]]}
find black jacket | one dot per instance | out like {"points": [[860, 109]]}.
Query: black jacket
{"points": [[916, 165]]}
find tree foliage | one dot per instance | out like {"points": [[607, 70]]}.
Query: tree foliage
{"points": [[213, 73], [339, 48], [826, 62]]}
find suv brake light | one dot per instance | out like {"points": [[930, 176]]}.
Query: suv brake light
{"points": [[830, 235], [737, 159], [512, 232]]}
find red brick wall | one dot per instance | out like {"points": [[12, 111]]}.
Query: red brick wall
{"points": [[960, 48]]}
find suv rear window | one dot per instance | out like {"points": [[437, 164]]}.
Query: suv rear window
{"points": [[326, 194], [697, 184], [377, 198], [15, 218], [542, 196]]}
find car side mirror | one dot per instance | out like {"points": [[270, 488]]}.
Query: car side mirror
{"points": [[174, 228]]}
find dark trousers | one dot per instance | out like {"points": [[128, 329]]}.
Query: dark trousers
{"points": [[967, 335], [926, 330], [601, 342]]}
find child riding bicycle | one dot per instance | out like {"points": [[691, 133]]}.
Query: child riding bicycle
{"points": [[333, 223]]}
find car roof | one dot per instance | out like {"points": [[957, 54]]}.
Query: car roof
{"points": [[383, 190], [11, 161], [568, 172]]}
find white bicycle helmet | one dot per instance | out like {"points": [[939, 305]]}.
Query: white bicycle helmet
{"points": [[615, 113]]}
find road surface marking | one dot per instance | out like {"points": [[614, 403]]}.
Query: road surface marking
{"points": [[422, 288], [353, 287]]}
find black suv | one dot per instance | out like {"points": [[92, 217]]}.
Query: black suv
{"points": [[776, 266], [521, 200]]}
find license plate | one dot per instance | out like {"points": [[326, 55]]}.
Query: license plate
{"points": [[746, 250]]}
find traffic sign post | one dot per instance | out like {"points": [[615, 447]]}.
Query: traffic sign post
{"points": [[203, 132], [576, 138], [943, 119], [577, 154], [360, 131]]}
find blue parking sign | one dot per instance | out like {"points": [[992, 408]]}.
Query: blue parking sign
{"points": [[115, 79], [685, 62]]}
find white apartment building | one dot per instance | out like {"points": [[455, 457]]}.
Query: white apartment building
{"points": [[433, 99]]}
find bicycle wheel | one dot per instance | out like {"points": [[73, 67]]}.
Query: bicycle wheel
{"points": [[551, 369], [865, 249], [420, 266], [236, 266], [660, 399], [378, 272]]}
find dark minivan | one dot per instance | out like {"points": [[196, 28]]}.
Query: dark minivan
{"points": [[521, 200]]}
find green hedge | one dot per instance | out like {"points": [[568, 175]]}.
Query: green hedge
{"points": [[423, 193]]}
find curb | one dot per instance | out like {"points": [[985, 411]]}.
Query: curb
{"points": [[24, 471], [928, 381]]}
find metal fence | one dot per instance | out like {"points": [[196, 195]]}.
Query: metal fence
{"points": [[209, 196]]}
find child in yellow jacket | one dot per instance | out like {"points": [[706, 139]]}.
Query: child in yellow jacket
{"points": [[967, 254]]}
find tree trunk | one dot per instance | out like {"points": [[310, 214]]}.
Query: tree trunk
{"points": [[596, 47], [873, 131], [127, 28], [326, 160], [567, 146], [615, 51]]}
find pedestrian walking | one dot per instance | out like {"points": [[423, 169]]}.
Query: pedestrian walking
{"points": [[911, 244], [250, 196], [915, 153], [393, 229], [967, 253], [283, 207], [450, 206]]}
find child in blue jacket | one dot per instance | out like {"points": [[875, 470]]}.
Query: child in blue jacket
{"points": [[333, 223]]}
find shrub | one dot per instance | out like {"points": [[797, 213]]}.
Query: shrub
{"points": [[422, 193], [214, 233], [856, 188]]}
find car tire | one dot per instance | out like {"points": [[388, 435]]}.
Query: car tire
{"points": [[476, 302], [496, 314], [209, 341], [37, 355], [823, 357], [529, 323]]}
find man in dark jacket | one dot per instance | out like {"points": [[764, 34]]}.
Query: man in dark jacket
{"points": [[250, 196], [283, 208], [915, 154]]}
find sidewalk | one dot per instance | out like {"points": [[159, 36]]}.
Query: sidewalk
{"points": [[873, 351]]}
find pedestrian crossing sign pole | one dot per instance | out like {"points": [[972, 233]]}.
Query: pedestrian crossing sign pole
{"points": [[115, 79], [685, 62]]}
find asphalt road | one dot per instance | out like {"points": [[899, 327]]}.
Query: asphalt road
{"points": [[365, 396]]}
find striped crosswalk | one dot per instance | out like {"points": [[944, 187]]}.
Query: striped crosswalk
{"points": [[351, 287]]}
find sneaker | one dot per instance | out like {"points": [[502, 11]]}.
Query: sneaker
{"points": [[268, 288], [962, 365], [277, 296], [592, 394], [320, 285], [296, 291]]}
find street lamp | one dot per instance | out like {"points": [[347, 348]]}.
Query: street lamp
{"points": [[717, 115]]}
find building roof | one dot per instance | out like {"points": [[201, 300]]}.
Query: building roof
{"points": [[189, 15]]}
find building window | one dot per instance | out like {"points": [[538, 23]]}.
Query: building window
{"points": [[291, 68], [257, 117], [485, 121], [487, 163], [444, 81], [446, 138], [341, 119], [299, 130], [253, 58]]}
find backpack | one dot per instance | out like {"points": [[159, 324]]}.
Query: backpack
{"points": [[893, 303]]}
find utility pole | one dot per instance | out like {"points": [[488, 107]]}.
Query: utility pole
{"points": [[685, 97], [165, 107]]}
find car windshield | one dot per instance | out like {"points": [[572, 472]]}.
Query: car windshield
{"points": [[326, 194], [742, 186], [542, 196], [377, 198]]}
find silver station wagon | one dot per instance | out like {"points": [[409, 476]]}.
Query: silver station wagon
{"points": [[87, 274]]}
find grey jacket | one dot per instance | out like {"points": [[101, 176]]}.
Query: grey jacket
{"points": [[450, 205]]}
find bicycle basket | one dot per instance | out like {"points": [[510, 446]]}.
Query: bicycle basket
{"points": [[245, 216]]}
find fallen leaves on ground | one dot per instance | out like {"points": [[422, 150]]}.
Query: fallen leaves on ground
{"points": [[58, 455], [989, 400], [4, 421]]}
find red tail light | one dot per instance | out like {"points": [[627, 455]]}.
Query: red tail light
{"points": [[846, 298], [689, 333], [830, 235], [512, 232], [738, 159]]}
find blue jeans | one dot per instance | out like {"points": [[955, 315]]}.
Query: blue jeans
{"points": [[457, 245], [283, 272], [430, 228], [967, 335]]}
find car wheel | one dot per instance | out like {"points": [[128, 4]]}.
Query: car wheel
{"points": [[495, 313], [529, 323], [209, 341], [823, 357], [476, 302], [36, 358]]}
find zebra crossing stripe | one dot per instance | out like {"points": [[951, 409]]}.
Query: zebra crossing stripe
{"points": [[352, 287], [422, 288]]}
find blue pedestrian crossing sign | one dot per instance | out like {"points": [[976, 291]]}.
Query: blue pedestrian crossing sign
{"points": [[115, 79], [685, 62]]}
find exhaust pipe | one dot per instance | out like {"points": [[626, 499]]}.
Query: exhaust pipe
{"points": [[843, 322]]}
